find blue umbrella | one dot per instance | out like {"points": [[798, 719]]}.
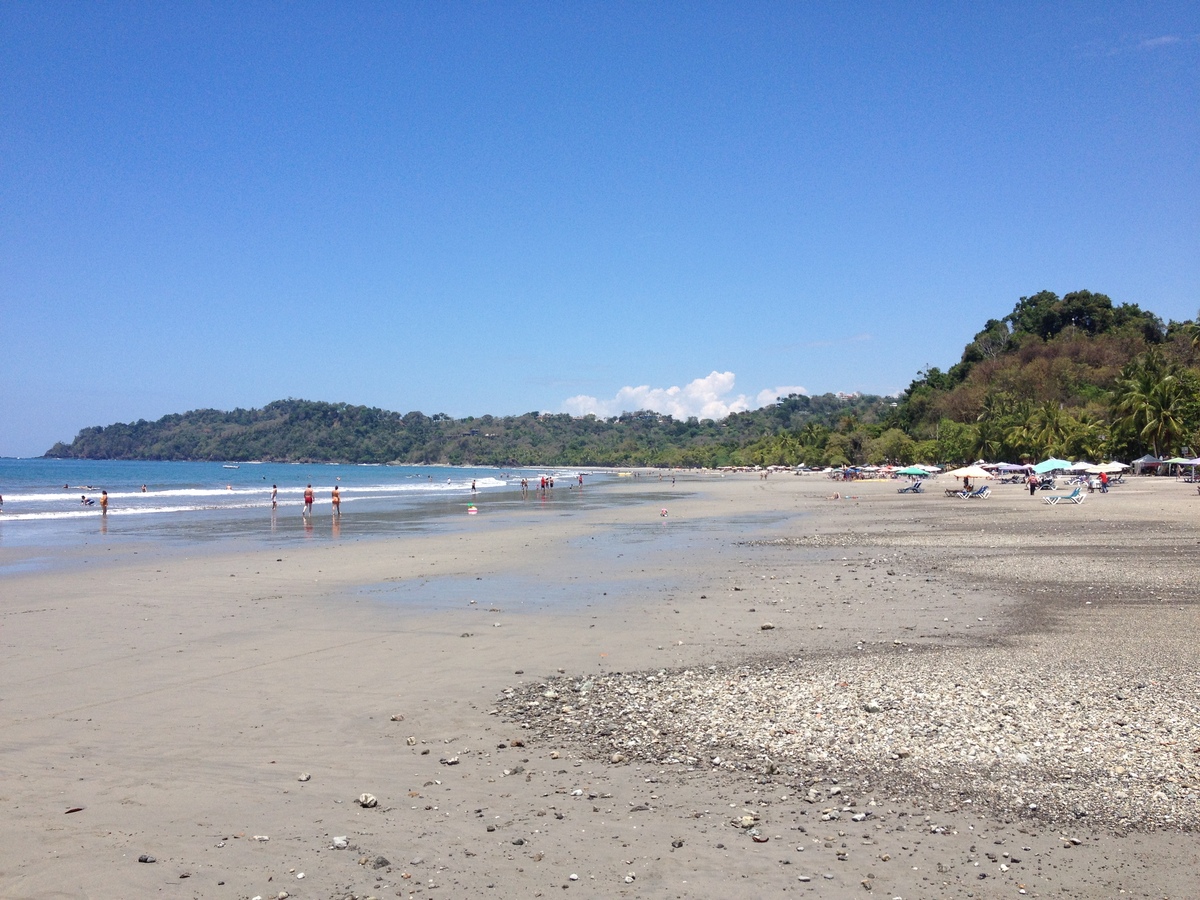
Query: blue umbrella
{"points": [[1051, 465]]}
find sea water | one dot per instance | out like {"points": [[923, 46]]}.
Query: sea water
{"points": [[45, 500]]}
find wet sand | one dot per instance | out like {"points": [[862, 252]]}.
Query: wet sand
{"points": [[175, 701]]}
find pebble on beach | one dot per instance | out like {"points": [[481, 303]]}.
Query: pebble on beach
{"points": [[367, 801]]}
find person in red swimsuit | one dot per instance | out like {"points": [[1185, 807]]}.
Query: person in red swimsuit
{"points": [[308, 500]]}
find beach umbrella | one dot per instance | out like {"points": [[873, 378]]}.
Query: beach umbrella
{"points": [[1082, 466], [911, 470], [970, 472], [1051, 465], [1111, 467]]}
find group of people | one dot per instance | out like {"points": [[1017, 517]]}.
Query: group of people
{"points": [[85, 500], [335, 497], [1097, 482]]}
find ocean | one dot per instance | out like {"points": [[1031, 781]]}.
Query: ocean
{"points": [[45, 499]]}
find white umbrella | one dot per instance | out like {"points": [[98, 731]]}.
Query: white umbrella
{"points": [[969, 472]]}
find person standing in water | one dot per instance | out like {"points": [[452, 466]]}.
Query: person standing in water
{"points": [[337, 502], [308, 502], [274, 496], [104, 502]]}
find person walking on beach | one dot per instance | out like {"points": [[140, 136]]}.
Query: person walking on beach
{"points": [[1104, 482], [337, 502], [1032, 480], [104, 502], [274, 496], [308, 501]]}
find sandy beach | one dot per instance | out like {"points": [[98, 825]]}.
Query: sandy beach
{"points": [[764, 692]]}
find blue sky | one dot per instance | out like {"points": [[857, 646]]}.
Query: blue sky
{"points": [[495, 208]]}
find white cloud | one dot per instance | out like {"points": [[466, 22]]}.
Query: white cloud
{"points": [[770, 395], [710, 397], [1154, 43]]}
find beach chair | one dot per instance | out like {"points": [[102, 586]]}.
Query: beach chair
{"points": [[980, 493], [1076, 496], [914, 488]]}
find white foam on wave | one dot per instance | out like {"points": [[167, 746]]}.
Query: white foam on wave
{"points": [[94, 511], [32, 507]]}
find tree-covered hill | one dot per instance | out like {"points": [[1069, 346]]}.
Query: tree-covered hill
{"points": [[1073, 376], [302, 430]]}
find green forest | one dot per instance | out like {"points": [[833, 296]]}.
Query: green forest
{"points": [[1074, 376]]}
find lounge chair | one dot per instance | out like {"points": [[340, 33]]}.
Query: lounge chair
{"points": [[980, 493], [1076, 496], [914, 488]]}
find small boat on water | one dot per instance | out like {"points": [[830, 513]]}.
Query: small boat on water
{"points": [[231, 466]]}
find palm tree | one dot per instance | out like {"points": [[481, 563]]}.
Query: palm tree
{"points": [[1019, 435], [813, 435], [1150, 400], [1088, 437], [1164, 427], [1050, 428]]}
